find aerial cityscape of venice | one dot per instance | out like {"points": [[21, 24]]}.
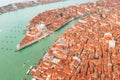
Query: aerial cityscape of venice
{"points": [[60, 40]]}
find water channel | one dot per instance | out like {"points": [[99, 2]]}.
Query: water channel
{"points": [[14, 65]]}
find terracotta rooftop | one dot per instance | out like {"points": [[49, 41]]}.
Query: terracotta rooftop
{"points": [[88, 50], [19, 5]]}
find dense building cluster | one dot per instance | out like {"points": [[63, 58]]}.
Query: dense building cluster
{"points": [[53, 20], [21, 5], [89, 50]]}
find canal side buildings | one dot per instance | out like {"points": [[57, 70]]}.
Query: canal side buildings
{"points": [[20, 5], [88, 50]]}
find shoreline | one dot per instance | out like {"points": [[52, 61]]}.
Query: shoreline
{"points": [[22, 5], [59, 17], [87, 50]]}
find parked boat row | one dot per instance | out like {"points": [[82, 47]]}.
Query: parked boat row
{"points": [[20, 5], [89, 50]]}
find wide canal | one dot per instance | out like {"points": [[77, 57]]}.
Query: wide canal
{"points": [[14, 65]]}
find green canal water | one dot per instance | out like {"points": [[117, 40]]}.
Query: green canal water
{"points": [[14, 65]]}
